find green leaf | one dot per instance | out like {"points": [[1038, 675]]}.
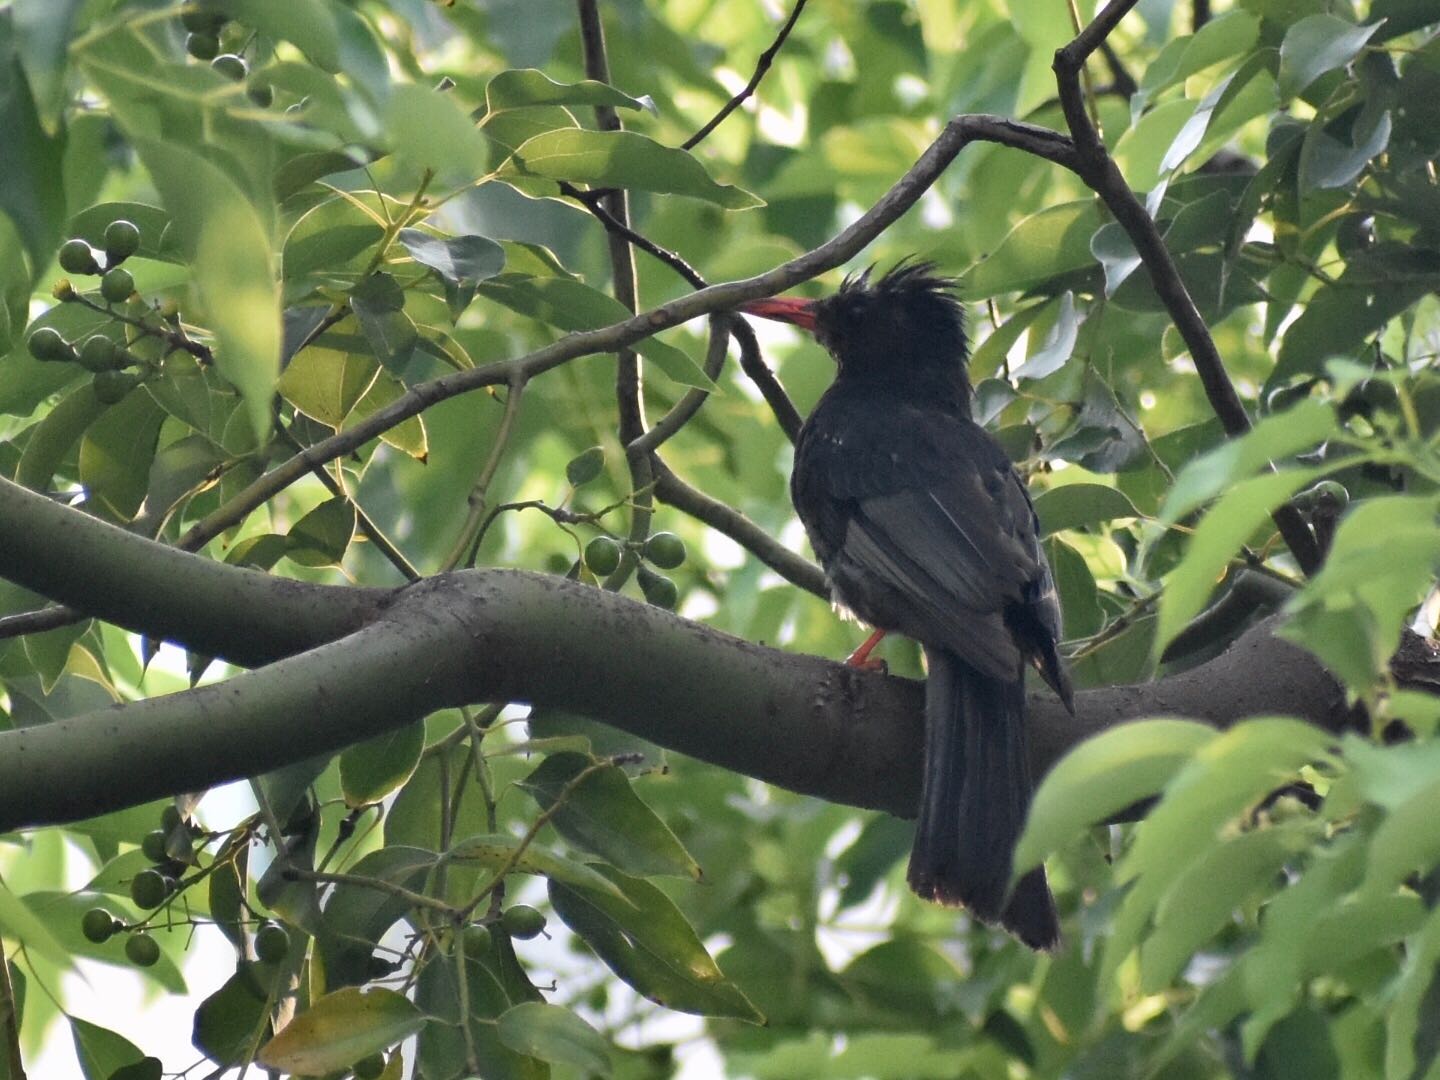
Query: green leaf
{"points": [[330, 238], [1406, 842], [1102, 776], [1079, 596], [494, 850], [1382, 560], [53, 438], [1317, 44], [116, 452], [1338, 318], [331, 36], [373, 769], [23, 924], [530, 86], [1050, 355], [29, 195], [227, 893], [355, 917], [409, 436], [1076, 506], [101, 1051], [326, 384], [457, 258], [604, 816], [1328, 162], [42, 33], [1224, 37], [230, 1022], [1408, 1052], [573, 305], [622, 159], [321, 537], [430, 129], [642, 937], [461, 262], [551, 1033], [1229, 773], [1203, 899], [229, 248], [341, 1028], [1226, 526], [379, 304], [1045, 245]]}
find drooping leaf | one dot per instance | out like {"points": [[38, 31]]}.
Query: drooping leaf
{"points": [[605, 816], [645, 940], [341, 1028], [623, 159]]}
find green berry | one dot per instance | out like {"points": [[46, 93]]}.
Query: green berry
{"points": [[1331, 492], [100, 353], [665, 550], [231, 66], [149, 888], [658, 589], [478, 939], [261, 93], [98, 925], [142, 950], [48, 344], [111, 386], [369, 1068], [602, 556], [122, 239], [78, 257], [272, 943], [197, 18], [117, 285], [202, 45], [522, 921], [153, 846], [585, 466]]}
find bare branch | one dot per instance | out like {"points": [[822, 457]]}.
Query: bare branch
{"points": [[761, 67], [1098, 169]]}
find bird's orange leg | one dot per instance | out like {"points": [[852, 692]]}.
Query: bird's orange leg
{"points": [[860, 658]]}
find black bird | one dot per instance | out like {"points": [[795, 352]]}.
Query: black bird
{"points": [[924, 528]]}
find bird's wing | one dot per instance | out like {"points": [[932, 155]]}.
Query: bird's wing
{"points": [[940, 526]]}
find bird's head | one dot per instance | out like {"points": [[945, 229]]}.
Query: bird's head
{"points": [[905, 326]]}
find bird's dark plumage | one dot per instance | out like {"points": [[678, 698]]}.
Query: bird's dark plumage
{"points": [[924, 528]]}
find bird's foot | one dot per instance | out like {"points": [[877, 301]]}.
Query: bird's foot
{"points": [[861, 659]]}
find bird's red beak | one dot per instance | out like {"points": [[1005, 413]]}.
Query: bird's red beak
{"points": [[784, 309]]}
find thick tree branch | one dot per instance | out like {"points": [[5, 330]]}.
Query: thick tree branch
{"points": [[237, 614], [1097, 168], [803, 723], [356, 662]]}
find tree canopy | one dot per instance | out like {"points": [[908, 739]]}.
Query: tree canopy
{"points": [[377, 437]]}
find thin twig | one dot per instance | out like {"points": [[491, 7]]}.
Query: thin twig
{"points": [[751, 361], [363, 522], [481, 487], [1097, 168], [724, 518], [174, 339], [629, 393], [689, 404], [399, 892], [761, 67]]}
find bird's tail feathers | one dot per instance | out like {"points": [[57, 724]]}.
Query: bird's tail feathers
{"points": [[976, 794]]}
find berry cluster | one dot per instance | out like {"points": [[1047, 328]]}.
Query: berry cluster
{"points": [[100, 354]]}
